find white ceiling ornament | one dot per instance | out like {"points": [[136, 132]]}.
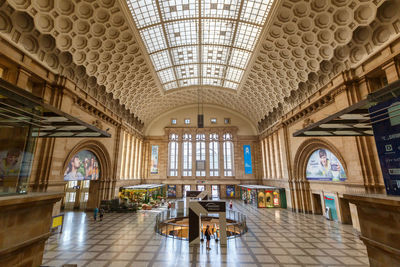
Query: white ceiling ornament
{"points": [[200, 42]]}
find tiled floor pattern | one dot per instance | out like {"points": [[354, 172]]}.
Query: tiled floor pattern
{"points": [[276, 237]]}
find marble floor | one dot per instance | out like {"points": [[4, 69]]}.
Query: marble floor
{"points": [[276, 237]]}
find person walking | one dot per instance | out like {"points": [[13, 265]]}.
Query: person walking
{"points": [[230, 204], [96, 210], [208, 237], [101, 213]]}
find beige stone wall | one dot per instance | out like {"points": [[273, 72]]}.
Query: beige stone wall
{"points": [[52, 154], [284, 156], [239, 176]]}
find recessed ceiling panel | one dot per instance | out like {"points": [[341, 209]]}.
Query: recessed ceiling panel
{"points": [[200, 42]]}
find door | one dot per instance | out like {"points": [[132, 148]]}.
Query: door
{"points": [[200, 187], [84, 194], [185, 188], [70, 195], [317, 204], [215, 191], [76, 195]]}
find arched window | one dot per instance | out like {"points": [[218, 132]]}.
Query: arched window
{"points": [[200, 154], [173, 155], [228, 154], [187, 154], [214, 155]]}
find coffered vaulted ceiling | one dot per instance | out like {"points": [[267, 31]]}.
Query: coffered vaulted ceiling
{"points": [[301, 45]]}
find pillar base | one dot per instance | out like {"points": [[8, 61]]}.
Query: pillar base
{"points": [[379, 217]]}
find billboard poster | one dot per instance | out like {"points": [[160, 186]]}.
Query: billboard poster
{"points": [[385, 118], [154, 160], [247, 159], [323, 165], [171, 190], [330, 203], [83, 166], [230, 191]]}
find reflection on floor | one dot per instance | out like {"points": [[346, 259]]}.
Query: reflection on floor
{"points": [[276, 238]]}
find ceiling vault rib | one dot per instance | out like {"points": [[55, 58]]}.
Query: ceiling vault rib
{"points": [[232, 42], [200, 57], [166, 37]]}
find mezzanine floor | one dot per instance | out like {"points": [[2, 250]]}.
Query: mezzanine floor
{"points": [[276, 237]]}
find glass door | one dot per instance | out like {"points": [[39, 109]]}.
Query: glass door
{"points": [[215, 191], [84, 194], [70, 195], [185, 188]]}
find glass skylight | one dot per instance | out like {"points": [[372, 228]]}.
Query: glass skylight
{"points": [[200, 42]]}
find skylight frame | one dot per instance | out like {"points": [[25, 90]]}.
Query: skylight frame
{"points": [[172, 28]]}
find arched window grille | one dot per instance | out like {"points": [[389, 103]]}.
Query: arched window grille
{"points": [[214, 154], [173, 155]]}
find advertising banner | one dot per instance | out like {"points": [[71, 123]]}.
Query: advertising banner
{"points": [[323, 165], [154, 160], [171, 190], [83, 166], [330, 203], [230, 191], [247, 159], [385, 118]]}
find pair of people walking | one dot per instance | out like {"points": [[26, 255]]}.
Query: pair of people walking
{"points": [[98, 211]]}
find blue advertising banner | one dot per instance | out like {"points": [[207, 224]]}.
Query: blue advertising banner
{"points": [[385, 118], [247, 160]]}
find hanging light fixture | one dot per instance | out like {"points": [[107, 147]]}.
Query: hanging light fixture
{"points": [[200, 115]]}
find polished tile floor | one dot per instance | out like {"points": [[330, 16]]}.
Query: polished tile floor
{"points": [[276, 237]]}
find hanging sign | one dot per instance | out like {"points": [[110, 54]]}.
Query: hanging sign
{"points": [[247, 159], [154, 160], [385, 118]]}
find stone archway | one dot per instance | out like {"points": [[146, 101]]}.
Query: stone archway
{"points": [[103, 187], [300, 185]]}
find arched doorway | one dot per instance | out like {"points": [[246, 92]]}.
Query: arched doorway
{"points": [[316, 159], [85, 175]]}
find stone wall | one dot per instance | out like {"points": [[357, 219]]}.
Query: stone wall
{"points": [[53, 154], [285, 156]]}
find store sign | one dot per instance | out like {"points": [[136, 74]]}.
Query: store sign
{"points": [[154, 160], [323, 165], [247, 159], [193, 193], [214, 206], [385, 118], [82, 166]]}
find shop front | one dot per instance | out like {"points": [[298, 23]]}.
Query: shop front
{"points": [[145, 196], [263, 196]]}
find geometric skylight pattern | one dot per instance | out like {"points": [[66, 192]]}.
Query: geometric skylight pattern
{"points": [[200, 42]]}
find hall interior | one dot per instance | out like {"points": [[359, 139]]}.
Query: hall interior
{"points": [[289, 108]]}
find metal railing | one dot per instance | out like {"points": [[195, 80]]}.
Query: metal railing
{"points": [[164, 226]]}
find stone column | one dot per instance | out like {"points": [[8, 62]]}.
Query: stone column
{"points": [[391, 71]]}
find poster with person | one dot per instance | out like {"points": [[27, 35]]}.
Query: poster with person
{"points": [[230, 191], [323, 165], [83, 166], [171, 190]]}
